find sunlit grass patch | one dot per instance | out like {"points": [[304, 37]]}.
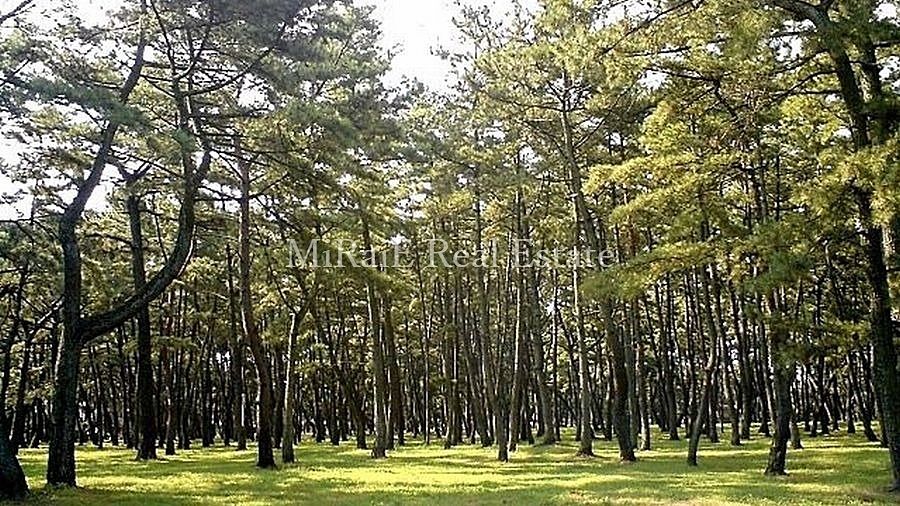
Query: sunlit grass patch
{"points": [[841, 470]]}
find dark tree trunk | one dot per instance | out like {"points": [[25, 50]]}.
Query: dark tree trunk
{"points": [[397, 421], [21, 409], [61, 458], [265, 455], [887, 378], [783, 373], [145, 388], [12, 479]]}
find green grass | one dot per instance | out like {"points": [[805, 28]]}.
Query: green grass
{"points": [[832, 470]]}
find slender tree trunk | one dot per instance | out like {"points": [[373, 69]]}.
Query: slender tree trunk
{"points": [[21, 409], [668, 338], [521, 350], [287, 435], [145, 387], [586, 442], [473, 368], [237, 358], [643, 393], [783, 373], [265, 456], [378, 365], [397, 421], [709, 372]]}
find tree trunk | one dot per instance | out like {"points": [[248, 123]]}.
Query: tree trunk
{"points": [[378, 365], [287, 435], [397, 421], [586, 441], [709, 372], [145, 387], [21, 409], [236, 364], [265, 456], [887, 379], [12, 479], [783, 373], [518, 390], [61, 457]]}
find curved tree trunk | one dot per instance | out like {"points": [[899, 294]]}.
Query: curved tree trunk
{"points": [[709, 373], [783, 374], [265, 455]]}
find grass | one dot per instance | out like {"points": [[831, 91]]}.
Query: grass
{"points": [[840, 469]]}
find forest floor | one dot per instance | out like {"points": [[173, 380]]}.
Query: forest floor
{"points": [[837, 469]]}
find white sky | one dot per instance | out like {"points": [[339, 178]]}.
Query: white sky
{"points": [[413, 28]]}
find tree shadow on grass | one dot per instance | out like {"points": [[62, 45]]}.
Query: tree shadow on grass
{"points": [[836, 470]]}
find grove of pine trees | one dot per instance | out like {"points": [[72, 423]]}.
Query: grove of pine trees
{"points": [[735, 163]]}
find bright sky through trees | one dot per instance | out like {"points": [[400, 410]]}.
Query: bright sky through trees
{"points": [[414, 28]]}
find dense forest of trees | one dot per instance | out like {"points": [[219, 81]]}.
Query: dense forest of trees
{"points": [[732, 164]]}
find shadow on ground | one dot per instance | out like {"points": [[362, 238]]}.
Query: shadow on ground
{"points": [[839, 469]]}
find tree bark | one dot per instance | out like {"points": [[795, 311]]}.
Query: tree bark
{"points": [[709, 373], [586, 441], [145, 387], [287, 435], [265, 457], [378, 365], [12, 478], [783, 374]]}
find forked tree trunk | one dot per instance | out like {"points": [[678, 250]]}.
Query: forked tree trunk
{"points": [[709, 372]]}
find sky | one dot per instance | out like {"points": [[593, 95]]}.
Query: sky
{"points": [[415, 27]]}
